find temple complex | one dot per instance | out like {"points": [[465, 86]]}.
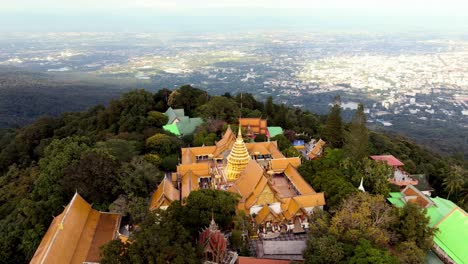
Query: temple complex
{"points": [[76, 235], [271, 189], [400, 177]]}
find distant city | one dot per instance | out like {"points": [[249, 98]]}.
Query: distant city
{"points": [[402, 78]]}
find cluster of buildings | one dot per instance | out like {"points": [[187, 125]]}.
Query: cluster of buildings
{"points": [[450, 220], [271, 191]]}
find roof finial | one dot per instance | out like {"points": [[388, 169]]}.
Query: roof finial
{"points": [[361, 186], [213, 225]]}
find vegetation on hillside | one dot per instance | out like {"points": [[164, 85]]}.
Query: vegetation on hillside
{"points": [[120, 152]]}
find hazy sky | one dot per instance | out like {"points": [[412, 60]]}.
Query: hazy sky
{"points": [[144, 15], [460, 6]]}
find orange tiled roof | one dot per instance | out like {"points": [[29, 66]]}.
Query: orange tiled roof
{"points": [[263, 193], [200, 169], [310, 200], [296, 179], [248, 180], [415, 196], [265, 214], [189, 183], [165, 194], [76, 235], [189, 154], [279, 165], [317, 150], [256, 125], [226, 142], [290, 208], [265, 148]]}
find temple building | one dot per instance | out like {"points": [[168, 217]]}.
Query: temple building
{"points": [[271, 189], [315, 149], [450, 220], [400, 177], [76, 235], [254, 126], [179, 124]]}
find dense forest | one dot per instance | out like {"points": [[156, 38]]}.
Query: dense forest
{"points": [[26, 96], [116, 155]]}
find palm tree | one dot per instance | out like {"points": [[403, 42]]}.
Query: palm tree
{"points": [[454, 181]]}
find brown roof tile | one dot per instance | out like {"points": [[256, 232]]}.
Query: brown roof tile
{"points": [[310, 200], [164, 194], [279, 165], [296, 179], [76, 235]]}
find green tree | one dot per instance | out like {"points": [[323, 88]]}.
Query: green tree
{"points": [[169, 163], [333, 130], [174, 243], [163, 144], [454, 181], [219, 107], [161, 98], [409, 253], [138, 208], [94, 176], [138, 177], [269, 107], [115, 252], [156, 119], [364, 216], [365, 253], [324, 249], [204, 138], [283, 142], [261, 138], [357, 138], [188, 98], [413, 226], [123, 150], [134, 107], [203, 204], [58, 156], [292, 152]]}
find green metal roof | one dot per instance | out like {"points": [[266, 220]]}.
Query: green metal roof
{"points": [[452, 222], [396, 202], [396, 194], [188, 125], [439, 210], [172, 128], [275, 130], [453, 235], [172, 114]]}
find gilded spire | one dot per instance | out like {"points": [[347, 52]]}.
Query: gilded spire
{"points": [[237, 159]]}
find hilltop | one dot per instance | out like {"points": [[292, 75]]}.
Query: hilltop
{"points": [[107, 152]]}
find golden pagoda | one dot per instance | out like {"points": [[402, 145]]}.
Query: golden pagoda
{"points": [[237, 159]]}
